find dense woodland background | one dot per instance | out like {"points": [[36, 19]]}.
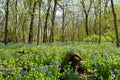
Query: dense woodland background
{"points": [[48, 21]]}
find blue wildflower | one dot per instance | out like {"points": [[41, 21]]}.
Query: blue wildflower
{"points": [[51, 66], [57, 63], [25, 73], [45, 68], [113, 76], [50, 74], [70, 62]]}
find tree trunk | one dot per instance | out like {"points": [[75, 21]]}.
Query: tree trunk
{"points": [[15, 36], [86, 12], [31, 24], [100, 32], [6, 22], [39, 23], [63, 22], [95, 25], [86, 24], [78, 35], [73, 24], [23, 33], [46, 22], [105, 12], [95, 20], [63, 25], [53, 22], [115, 23], [23, 30]]}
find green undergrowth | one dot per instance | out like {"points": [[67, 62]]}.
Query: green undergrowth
{"points": [[41, 62]]}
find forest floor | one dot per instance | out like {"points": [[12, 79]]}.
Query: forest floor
{"points": [[41, 62]]}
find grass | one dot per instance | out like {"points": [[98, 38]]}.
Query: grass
{"points": [[41, 62]]}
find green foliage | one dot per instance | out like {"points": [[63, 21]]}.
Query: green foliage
{"points": [[41, 62], [94, 38], [110, 36], [107, 37]]}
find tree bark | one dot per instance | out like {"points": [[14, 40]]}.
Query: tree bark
{"points": [[39, 23], [53, 22], [15, 36], [100, 30], [86, 25], [46, 22], [115, 23], [63, 24], [31, 24], [96, 16], [86, 11], [23, 29], [6, 22]]}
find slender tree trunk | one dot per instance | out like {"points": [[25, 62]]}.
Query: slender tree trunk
{"points": [[95, 20], [6, 22], [15, 36], [73, 25], [78, 35], [46, 22], [86, 11], [115, 23], [63, 24], [78, 30], [100, 30], [39, 23], [53, 22], [41, 32], [23, 30], [95, 25], [31, 24], [105, 11], [73, 30], [23, 34], [86, 24]]}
